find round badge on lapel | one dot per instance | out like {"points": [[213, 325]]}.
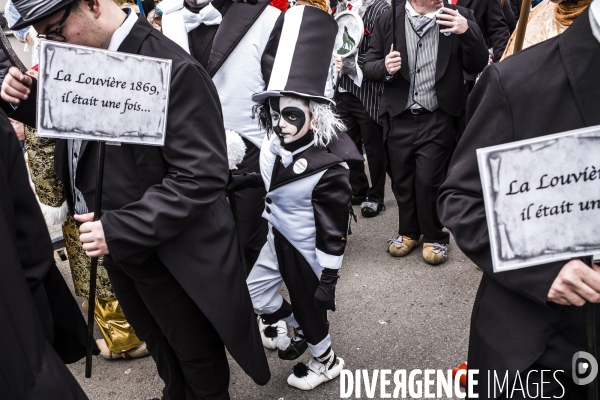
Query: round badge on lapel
{"points": [[300, 165]]}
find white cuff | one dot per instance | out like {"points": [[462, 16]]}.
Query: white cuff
{"points": [[328, 260]]}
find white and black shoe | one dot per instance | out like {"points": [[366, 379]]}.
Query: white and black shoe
{"points": [[370, 209], [317, 371], [295, 348], [273, 336]]}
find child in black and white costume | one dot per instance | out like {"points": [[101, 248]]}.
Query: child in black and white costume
{"points": [[303, 166]]}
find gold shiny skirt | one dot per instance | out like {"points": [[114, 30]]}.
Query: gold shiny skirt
{"points": [[115, 329]]}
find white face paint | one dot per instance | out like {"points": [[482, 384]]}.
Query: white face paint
{"points": [[197, 4], [291, 117]]}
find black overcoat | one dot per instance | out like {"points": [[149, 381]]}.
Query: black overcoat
{"points": [[41, 326], [512, 323], [171, 200], [456, 53]]}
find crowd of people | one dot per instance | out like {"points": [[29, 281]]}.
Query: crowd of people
{"points": [[271, 138]]}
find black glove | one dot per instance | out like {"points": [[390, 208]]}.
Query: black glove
{"points": [[325, 294], [245, 181]]}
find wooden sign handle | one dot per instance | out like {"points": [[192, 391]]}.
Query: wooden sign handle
{"points": [[522, 28]]}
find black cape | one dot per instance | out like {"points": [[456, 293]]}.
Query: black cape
{"points": [[41, 325]]}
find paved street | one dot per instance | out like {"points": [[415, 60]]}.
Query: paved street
{"points": [[392, 314]]}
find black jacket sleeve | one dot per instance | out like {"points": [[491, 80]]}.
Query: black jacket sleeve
{"points": [[509, 16], [460, 204], [497, 29], [374, 67], [474, 50], [330, 200], [515, 5]]}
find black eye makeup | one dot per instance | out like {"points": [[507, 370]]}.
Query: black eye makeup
{"points": [[294, 116]]}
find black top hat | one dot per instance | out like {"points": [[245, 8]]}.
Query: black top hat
{"points": [[33, 11], [303, 55]]}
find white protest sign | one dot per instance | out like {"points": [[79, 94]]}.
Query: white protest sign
{"points": [[542, 198], [92, 94]]}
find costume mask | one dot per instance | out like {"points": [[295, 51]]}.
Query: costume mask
{"points": [[291, 117]]}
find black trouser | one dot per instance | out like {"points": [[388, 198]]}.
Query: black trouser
{"points": [[250, 203], [301, 283], [363, 129], [189, 354], [418, 146]]}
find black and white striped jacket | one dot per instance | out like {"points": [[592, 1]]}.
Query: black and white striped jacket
{"points": [[369, 92]]}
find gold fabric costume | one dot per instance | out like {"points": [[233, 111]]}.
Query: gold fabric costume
{"points": [[115, 329], [40, 152], [546, 21]]}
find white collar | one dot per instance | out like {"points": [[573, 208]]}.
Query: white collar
{"points": [[595, 15], [413, 13], [301, 149], [120, 34]]}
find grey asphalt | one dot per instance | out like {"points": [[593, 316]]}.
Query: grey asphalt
{"points": [[392, 314]]}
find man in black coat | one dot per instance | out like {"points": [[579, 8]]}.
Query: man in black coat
{"points": [[358, 105], [42, 326], [492, 22], [422, 98], [526, 319], [490, 17], [166, 229]]}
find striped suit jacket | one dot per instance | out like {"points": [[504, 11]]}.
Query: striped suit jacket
{"points": [[369, 92]]}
